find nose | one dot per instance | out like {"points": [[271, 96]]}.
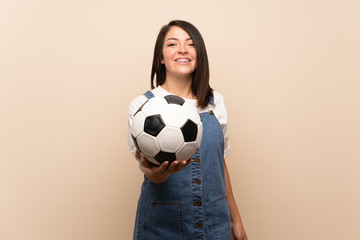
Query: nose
{"points": [[182, 49]]}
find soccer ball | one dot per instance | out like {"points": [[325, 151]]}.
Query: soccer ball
{"points": [[166, 129]]}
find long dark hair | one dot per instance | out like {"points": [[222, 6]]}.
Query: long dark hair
{"points": [[200, 84]]}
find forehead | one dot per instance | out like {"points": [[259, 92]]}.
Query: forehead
{"points": [[177, 33]]}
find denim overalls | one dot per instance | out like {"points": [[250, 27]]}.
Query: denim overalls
{"points": [[191, 204]]}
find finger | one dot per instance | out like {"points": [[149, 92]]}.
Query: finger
{"points": [[163, 167], [179, 166], [188, 162], [145, 162], [182, 164], [172, 166]]}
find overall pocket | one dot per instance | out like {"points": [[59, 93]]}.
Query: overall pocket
{"points": [[164, 220], [221, 219]]}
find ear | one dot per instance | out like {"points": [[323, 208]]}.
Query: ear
{"points": [[162, 61]]}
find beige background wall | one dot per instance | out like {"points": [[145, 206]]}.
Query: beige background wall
{"points": [[290, 73]]}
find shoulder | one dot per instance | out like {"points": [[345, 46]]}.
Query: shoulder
{"points": [[136, 103], [219, 101], [218, 98], [220, 108]]}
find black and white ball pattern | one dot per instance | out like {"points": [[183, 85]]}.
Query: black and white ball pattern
{"points": [[166, 129]]}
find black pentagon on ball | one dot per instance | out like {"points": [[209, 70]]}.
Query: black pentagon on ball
{"points": [[189, 130], [165, 156], [153, 124], [173, 99]]}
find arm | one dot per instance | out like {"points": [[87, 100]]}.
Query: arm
{"points": [[237, 228]]}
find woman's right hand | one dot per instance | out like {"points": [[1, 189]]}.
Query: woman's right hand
{"points": [[159, 174]]}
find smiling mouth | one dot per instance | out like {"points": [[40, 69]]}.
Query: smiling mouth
{"points": [[182, 60]]}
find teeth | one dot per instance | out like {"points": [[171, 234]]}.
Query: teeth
{"points": [[182, 60]]}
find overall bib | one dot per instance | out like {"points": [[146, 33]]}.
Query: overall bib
{"points": [[191, 204]]}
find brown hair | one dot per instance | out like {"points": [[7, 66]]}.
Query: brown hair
{"points": [[200, 84]]}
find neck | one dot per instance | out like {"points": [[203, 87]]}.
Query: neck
{"points": [[179, 86]]}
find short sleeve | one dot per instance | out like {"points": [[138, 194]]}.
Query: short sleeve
{"points": [[221, 113]]}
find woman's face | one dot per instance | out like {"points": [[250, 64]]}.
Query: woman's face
{"points": [[179, 54]]}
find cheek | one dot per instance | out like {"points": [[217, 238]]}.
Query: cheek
{"points": [[193, 53], [166, 57]]}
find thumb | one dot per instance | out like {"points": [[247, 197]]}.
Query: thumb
{"points": [[145, 162]]}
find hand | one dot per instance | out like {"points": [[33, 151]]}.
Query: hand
{"points": [[159, 174], [238, 232]]}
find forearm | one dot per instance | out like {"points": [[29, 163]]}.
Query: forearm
{"points": [[233, 209]]}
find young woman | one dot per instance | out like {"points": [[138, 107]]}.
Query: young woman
{"points": [[187, 199]]}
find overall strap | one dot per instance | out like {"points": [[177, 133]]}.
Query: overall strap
{"points": [[149, 94], [212, 100]]}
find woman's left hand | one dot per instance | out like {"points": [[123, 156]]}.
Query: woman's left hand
{"points": [[238, 232]]}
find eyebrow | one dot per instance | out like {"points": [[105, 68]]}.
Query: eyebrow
{"points": [[178, 39]]}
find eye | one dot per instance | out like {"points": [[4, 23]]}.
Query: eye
{"points": [[171, 45]]}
